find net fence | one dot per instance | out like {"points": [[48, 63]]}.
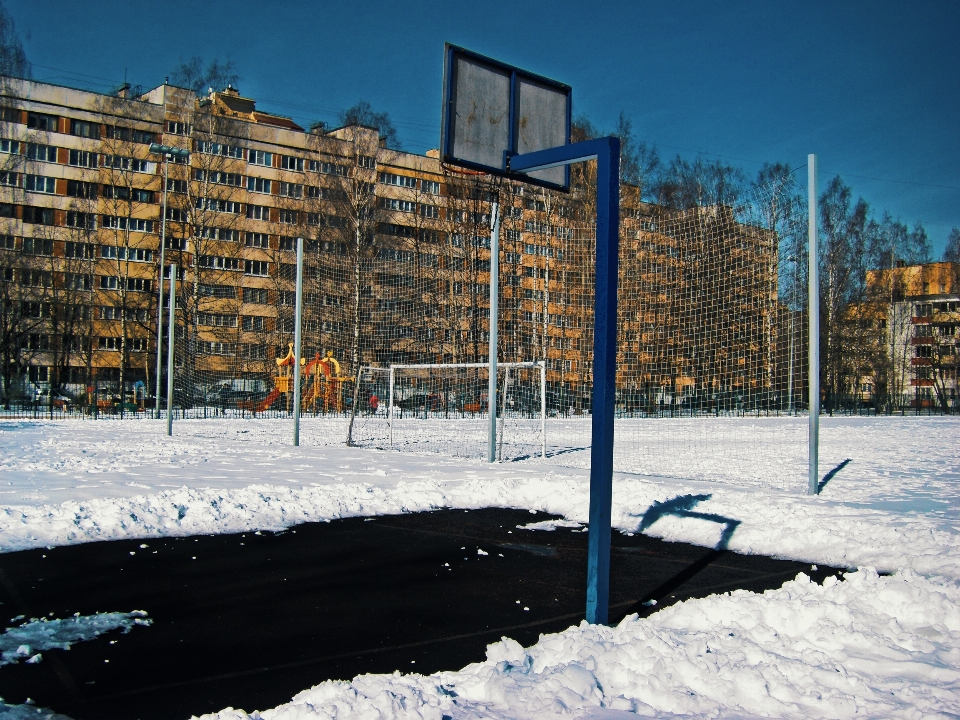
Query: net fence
{"points": [[712, 332]]}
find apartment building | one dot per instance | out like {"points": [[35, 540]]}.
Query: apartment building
{"points": [[397, 255], [917, 308]]}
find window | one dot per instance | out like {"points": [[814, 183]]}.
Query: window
{"points": [[36, 278], [217, 205], [512, 258], [289, 217], [288, 243], [260, 240], [176, 214], [259, 185], [84, 128], [287, 297], [9, 179], [398, 205], [216, 348], [118, 162], [253, 323], [123, 223], [175, 127], [177, 186], [328, 168], [255, 267], [223, 292], [257, 296], [323, 193], [218, 178], [215, 233], [431, 187], [217, 320], [37, 246], [38, 215], [79, 250], [430, 211], [113, 252], [212, 148], [11, 147], [78, 281], [108, 343], [397, 180], [258, 212], [292, 190], [219, 262], [82, 158], [35, 309], [288, 162], [144, 137], [41, 153], [7, 242], [365, 161], [80, 189], [86, 221], [119, 192], [39, 121], [259, 157]]}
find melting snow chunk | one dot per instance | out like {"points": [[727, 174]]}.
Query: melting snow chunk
{"points": [[481, 552]]}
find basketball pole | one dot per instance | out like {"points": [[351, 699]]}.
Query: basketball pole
{"points": [[494, 316], [606, 151]]}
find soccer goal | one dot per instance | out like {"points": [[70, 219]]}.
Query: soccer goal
{"points": [[444, 408]]}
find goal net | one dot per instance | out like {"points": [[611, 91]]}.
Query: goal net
{"points": [[444, 408]]}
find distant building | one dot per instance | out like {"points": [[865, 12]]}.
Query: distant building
{"points": [[397, 258], [919, 309]]}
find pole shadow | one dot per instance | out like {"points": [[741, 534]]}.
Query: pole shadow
{"points": [[829, 476]]}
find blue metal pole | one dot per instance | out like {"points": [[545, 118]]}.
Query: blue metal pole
{"points": [[604, 381], [607, 153]]}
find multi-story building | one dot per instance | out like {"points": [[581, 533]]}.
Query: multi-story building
{"points": [[397, 256], [917, 308]]}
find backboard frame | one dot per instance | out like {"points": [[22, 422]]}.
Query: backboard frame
{"points": [[517, 76]]}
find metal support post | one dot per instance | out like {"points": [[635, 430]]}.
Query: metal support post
{"points": [[543, 408], [297, 319], [494, 316], [390, 404], [607, 153], [163, 249], [171, 342], [813, 292]]}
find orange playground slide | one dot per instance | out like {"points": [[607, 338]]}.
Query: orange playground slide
{"points": [[268, 401]]}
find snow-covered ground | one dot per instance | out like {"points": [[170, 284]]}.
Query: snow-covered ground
{"points": [[871, 646]]}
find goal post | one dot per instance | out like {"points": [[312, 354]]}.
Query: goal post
{"points": [[445, 408]]}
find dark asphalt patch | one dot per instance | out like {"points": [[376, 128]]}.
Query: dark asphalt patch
{"points": [[249, 620]]}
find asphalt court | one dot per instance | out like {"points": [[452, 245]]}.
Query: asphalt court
{"points": [[248, 620]]}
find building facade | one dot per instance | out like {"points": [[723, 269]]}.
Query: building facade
{"points": [[397, 258]]}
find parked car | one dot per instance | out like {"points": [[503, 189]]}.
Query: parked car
{"points": [[60, 401]]}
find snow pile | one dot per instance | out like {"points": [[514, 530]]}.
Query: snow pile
{"points": [[872, 647], [28, 640], [795, 527]]}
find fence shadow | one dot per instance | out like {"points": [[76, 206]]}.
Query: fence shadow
{"points": [[682, 506]]}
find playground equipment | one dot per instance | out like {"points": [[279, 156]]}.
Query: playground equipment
{"points": [[322, 378]]}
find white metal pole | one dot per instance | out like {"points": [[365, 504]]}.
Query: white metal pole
{"points": [[494, 316], [543, 408], [298, 317], [171, 341], [163, 250], [813, 292], [390, 404]]}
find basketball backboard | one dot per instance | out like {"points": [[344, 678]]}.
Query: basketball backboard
{"points": [[492, 111]]}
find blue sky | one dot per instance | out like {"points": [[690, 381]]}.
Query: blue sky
{"points": [[872, 87]]}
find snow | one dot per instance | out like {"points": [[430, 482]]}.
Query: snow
{"points": [[871, 646], [28, 640], [876, 647]]}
